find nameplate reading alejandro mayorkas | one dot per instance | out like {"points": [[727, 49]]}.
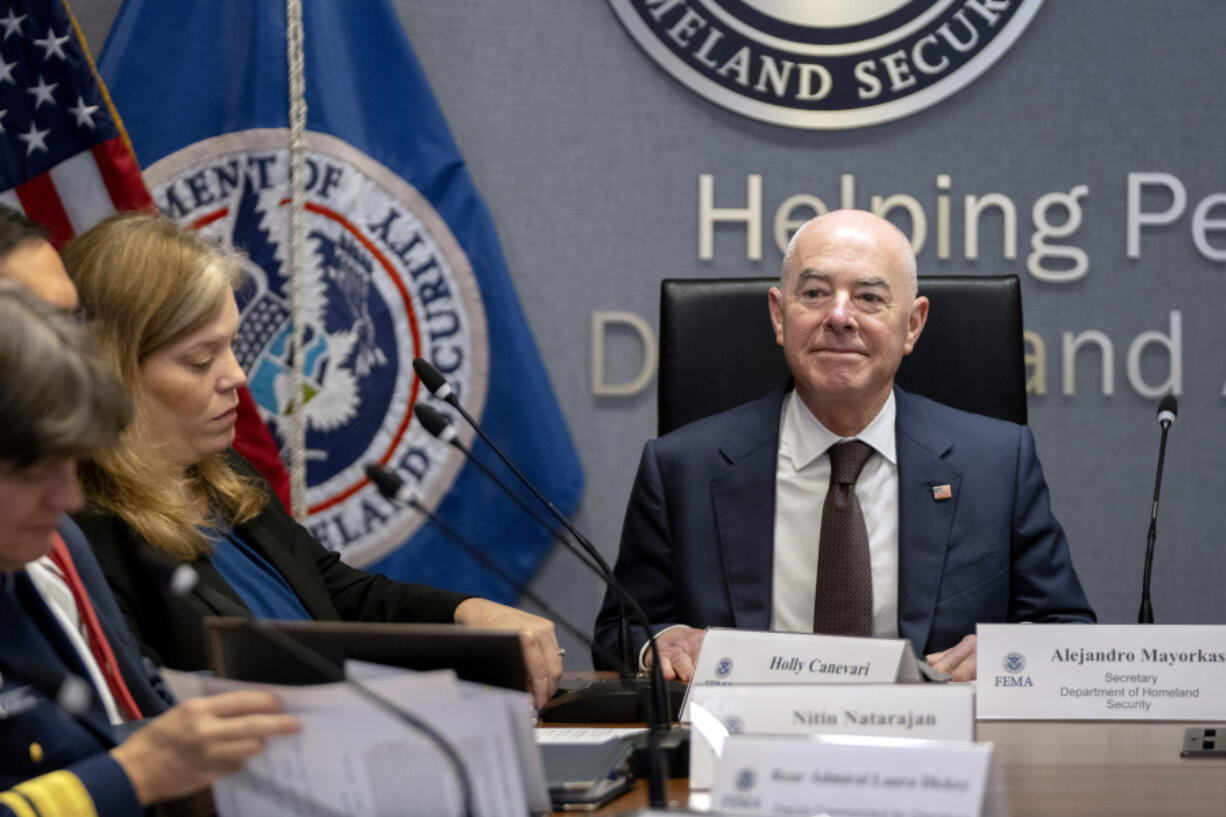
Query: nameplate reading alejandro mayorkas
{"points": [[1101, 671]]}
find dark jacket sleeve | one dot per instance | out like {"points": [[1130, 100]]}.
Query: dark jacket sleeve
{"points": [[169, 627], [95, 785], [354, 594], [643, 567]]}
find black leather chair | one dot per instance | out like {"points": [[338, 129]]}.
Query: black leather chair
{"points": [[718, 350]]}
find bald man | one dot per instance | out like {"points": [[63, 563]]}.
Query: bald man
{"points": [[725, 521]]}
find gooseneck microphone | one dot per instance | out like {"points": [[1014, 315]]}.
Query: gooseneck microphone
{"points": [[393, 489], [440, 388], [1168, 409], [439, 427], [181, 578]]}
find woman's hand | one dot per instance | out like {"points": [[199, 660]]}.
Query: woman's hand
{"points": [[542, 655]]}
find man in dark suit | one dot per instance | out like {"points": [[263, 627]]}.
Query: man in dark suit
{"points": [[58, 753], [27, 257], [942, 521]]}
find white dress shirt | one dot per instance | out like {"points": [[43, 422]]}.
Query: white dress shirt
{"points": [[802, 475], [53, 587]]}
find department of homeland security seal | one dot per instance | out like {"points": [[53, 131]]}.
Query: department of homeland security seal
{"points": [[386, 281], [825, 64]]}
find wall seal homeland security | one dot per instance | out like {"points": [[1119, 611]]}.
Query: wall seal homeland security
{"points": [[386, 281], [825, 65]]}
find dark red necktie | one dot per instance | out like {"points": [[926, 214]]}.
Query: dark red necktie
{"points": [[844, 603], [98, 645]]}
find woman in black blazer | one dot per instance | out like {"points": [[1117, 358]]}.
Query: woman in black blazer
{"points": [[162, 308]]}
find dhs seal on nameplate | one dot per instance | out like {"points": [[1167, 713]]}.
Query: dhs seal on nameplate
{"points": [[828, 65], [385, 281]]}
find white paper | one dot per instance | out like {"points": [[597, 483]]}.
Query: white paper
{"points": [[584, 734], [355, 759], [1101, 671]]}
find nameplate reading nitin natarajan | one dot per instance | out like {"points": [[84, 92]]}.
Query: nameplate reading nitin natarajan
{"points": [[929, 711]]}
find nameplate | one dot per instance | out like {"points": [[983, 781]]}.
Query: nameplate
{"points": [[1101, 671], [733, 657], [929, 711], [846, 774]]}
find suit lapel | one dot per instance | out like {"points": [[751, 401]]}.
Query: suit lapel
{"points": [[301, 576], [924, 521], [216, 593], [743, 496], [55, 656]]}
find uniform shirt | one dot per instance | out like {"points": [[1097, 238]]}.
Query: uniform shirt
{"points": [[53, 587]]}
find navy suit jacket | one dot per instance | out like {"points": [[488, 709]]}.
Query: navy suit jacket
{"points": [[139, 672], [38, 738], [698, 539]]}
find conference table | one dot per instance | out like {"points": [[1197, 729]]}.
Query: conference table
{"points": [[1078, 769]]}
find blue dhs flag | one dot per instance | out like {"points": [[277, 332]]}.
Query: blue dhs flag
{"points": [[402, 261]]}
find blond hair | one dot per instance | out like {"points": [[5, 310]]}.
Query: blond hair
{"points": [[146, 283]]}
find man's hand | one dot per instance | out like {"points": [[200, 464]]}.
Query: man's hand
{"points": [[958, 661], [678, 651], [542, 655], [199, 741]]}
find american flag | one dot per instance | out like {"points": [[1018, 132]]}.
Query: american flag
{"points": [[64, 158], [66, 162]]}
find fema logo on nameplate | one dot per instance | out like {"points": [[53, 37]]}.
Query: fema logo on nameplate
{"points": [[830, 64], [1013, 663], [745, 780], [385, 282], [723, 668]]}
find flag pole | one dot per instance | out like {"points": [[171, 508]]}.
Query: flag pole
{"points": [[296, 438]]}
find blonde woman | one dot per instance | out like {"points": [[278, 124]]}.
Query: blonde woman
{"points": [[161, 301]]}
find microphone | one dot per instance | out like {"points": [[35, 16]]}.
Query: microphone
{"points": [[69, 692], [180, 578], [393, 489], [440, 388], [596, 701], [439, 427], [1168, 409]]}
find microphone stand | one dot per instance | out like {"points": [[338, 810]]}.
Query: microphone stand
{"points": [[597, 701], [1146, 614], [393, 489], [181, 578]]}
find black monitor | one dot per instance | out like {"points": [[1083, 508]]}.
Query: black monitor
{"points": [[237, 650]]}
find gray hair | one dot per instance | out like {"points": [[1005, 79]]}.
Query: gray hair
{"points": [[57, 399]]}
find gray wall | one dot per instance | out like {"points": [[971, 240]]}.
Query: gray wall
{"points": [[589, 157]]}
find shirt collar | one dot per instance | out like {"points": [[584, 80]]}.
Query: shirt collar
{"points": [[803, 437]]}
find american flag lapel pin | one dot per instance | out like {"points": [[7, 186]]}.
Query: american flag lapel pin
{"points": [[942, 492]]}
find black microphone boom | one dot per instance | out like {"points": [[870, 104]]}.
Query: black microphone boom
{"points": [[440, 388], [1168, 410], [439, 427], [181, 578], [394, 489]]}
